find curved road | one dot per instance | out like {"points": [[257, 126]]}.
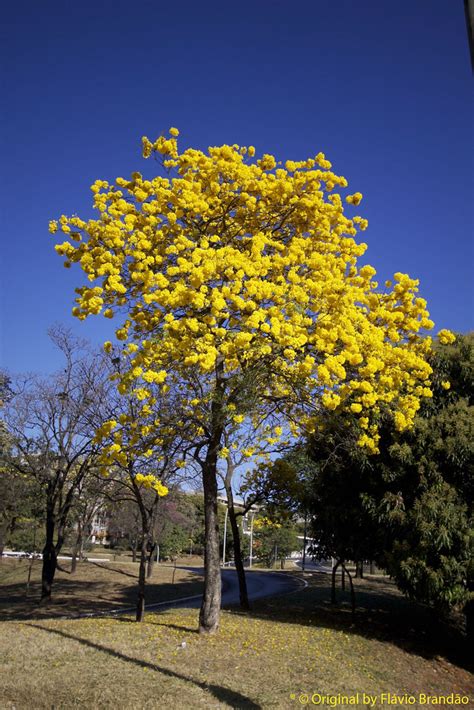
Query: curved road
{"points": [[312, 566], [259, 585]]}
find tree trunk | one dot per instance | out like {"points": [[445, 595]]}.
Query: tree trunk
{"points": [[343, 577], [469, 616], [359, 572], [50, 559], [469, 609], [3, 535], [353, 604], [30, 568], [211, 601], [372, 567], [151, 560], [142, 580], [333, 584], [134, 551], [305, 538], [77, 550], [239, 563]]}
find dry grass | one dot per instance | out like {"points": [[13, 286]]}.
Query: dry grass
{"points": [[286, 646], [94, 587]]}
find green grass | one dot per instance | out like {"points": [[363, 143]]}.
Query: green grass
{"points": [[286, 646]]}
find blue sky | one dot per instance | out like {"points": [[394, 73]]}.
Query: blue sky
{"points": [[383, 88]]}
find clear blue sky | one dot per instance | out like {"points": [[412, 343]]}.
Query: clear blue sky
{"points": [[382, 87]]}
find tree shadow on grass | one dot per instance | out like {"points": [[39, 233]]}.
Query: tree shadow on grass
{"points": [[382, 613], [224, 695], [176, 627], [113, 569], [75, 598]]}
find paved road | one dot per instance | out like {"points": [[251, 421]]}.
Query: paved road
{"points": [[310, 566], [259, 585]]}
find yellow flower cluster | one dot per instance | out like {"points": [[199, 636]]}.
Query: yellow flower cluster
{"points": [[231, 260], [137, 435], [150, 481], [264, 522], [445, 337], [104, 430]]}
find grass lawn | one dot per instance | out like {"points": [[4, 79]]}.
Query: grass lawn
{"points": [[94, 587], [286, 646]]}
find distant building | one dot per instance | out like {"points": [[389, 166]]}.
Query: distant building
{"points": [[98, 529]]}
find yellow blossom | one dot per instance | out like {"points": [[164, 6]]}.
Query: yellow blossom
{"points": [[227, 264], [445, 337], [150, 481]]}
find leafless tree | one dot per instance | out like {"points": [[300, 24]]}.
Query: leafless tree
{"points": [[52, 421]]}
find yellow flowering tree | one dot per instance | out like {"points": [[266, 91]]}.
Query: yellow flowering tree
{"points": [[227, 271]]}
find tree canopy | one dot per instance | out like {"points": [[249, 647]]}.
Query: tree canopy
{"points": [[233, 261]]}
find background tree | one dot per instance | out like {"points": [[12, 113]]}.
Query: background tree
{"points": [[273, 483], [235, 271], [257, 441], [18, 494], [337, 479], [433, 542], [52, 424], [411, 506], [197, 532], [430, 509], [274, 541], [342, 474], [21, 512], [280, 484], [123, 523], [174, 541], [177, 524], [10, 482], [89, 502]]}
